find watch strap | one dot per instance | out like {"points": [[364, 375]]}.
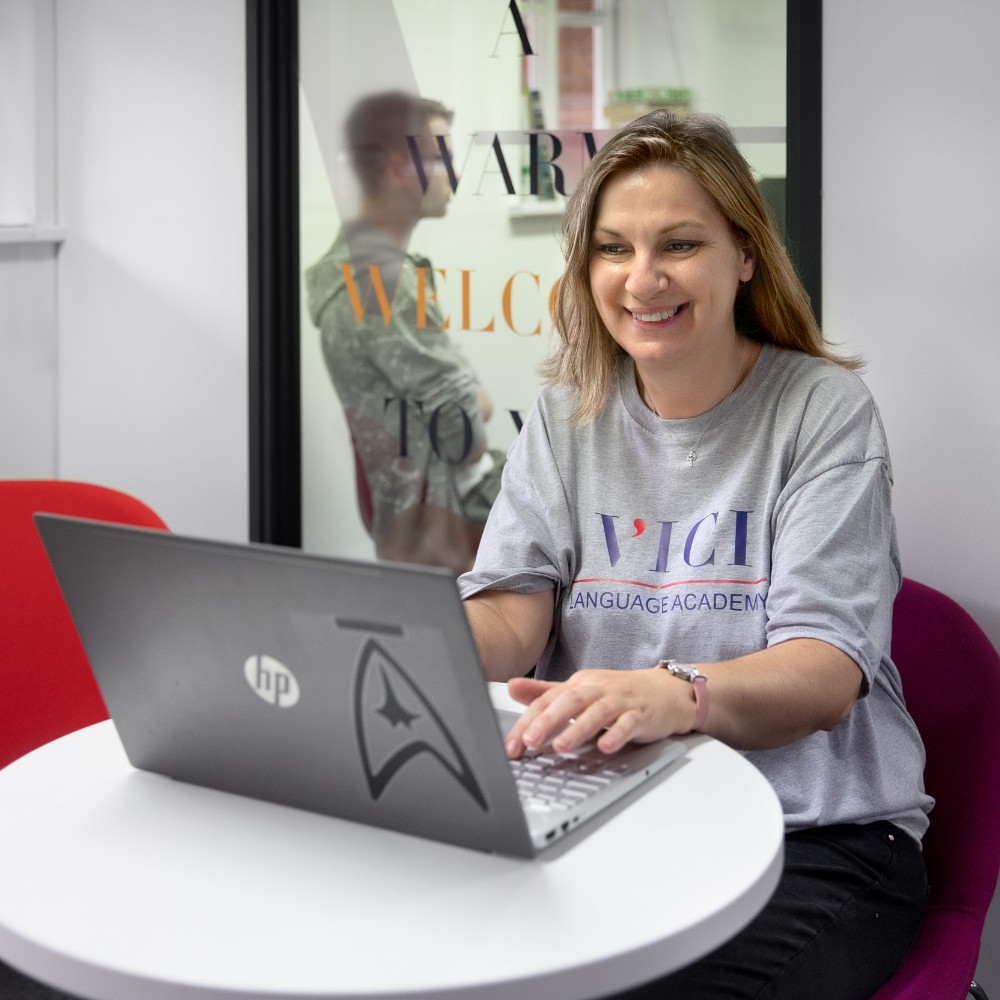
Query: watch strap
{"points": [[698, 681]]}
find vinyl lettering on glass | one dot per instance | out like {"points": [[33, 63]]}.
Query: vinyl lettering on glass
{"points": [[439, 141]]}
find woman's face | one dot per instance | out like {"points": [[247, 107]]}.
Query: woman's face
{"points": [[664, 268]]}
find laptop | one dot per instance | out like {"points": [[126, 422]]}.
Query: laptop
{"points": [[343, 687]]}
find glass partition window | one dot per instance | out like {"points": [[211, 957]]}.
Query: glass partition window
{"points": [[438, 142]]}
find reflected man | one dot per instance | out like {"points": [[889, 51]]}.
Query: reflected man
{"points": [[415, 407]]}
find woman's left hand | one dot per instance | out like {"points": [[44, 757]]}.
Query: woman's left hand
{"points": [[613, 707]]}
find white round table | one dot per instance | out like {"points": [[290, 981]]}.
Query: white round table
{"points": [[117, 883]]}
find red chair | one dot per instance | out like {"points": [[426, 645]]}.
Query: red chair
{"points": [[951, 681], [46, 686]]}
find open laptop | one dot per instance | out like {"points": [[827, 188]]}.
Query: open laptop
{"points": [[347, 688]]}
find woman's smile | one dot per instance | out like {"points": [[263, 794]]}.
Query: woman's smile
{"points": [[647, 317], [665, 269]]}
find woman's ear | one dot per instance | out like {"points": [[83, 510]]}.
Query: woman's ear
{"points": [[748, 262]]}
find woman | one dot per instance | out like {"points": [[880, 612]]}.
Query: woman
{"points": [[695, 533]]}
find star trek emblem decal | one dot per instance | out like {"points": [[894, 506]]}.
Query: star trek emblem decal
{"points": [[396, 722]]}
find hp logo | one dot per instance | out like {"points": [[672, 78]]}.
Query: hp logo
{"points": [[271, 681]]}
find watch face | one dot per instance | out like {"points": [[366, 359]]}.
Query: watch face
{"points": [[683, 670]]}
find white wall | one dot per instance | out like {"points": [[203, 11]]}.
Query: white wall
{"points": [[152, 276], [910, 259], [28, 389], [910, 264], [28, 240]]}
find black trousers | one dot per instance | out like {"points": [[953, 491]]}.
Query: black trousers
{"points": [[847, 908]]}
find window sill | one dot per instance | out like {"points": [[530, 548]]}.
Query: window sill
{"points": [[32, 234]]}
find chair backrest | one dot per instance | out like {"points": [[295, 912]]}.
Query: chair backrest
{"points": [[46, 686], [951, 682]]}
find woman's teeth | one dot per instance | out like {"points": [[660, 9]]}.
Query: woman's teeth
{"points": [[655, 317]]}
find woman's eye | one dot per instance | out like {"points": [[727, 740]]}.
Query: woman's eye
{"points": [[611, 249], [681, 246]]}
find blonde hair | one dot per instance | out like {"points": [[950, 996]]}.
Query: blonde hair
{"points": [[772, 307]]}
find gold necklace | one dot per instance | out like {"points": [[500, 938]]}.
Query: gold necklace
{"points": [[692, 455]]}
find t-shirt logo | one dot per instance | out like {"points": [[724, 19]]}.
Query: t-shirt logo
{"points": [[663, 565], [701, 544]]}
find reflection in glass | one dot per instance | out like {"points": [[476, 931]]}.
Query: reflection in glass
{"points": [[414, 405], [531, 98]]}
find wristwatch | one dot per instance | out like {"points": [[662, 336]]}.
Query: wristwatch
{"points": [[700, 683]]}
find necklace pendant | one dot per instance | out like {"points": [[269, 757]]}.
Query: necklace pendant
{"points": [[692, 455]]}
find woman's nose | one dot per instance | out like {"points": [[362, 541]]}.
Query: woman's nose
{"points": [[646, 277]]}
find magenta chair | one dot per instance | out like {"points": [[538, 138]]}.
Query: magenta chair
{"points": [[46, 686], [951, 681]]}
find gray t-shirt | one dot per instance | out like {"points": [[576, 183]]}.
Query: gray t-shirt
{"points": [[782, 528]]}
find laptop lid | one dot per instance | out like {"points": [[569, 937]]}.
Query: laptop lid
{"points": [[347, 688]]}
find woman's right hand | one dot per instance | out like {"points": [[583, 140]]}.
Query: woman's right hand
{"points": [[610, 707]]}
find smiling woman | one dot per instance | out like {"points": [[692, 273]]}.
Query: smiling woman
{"points": [[702, 199], [693, 391], [664, 271]]}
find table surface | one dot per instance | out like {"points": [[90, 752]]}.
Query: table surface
{"points": [[120, 883]]}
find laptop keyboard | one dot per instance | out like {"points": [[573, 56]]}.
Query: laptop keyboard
{"points": [[551, 782]]}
